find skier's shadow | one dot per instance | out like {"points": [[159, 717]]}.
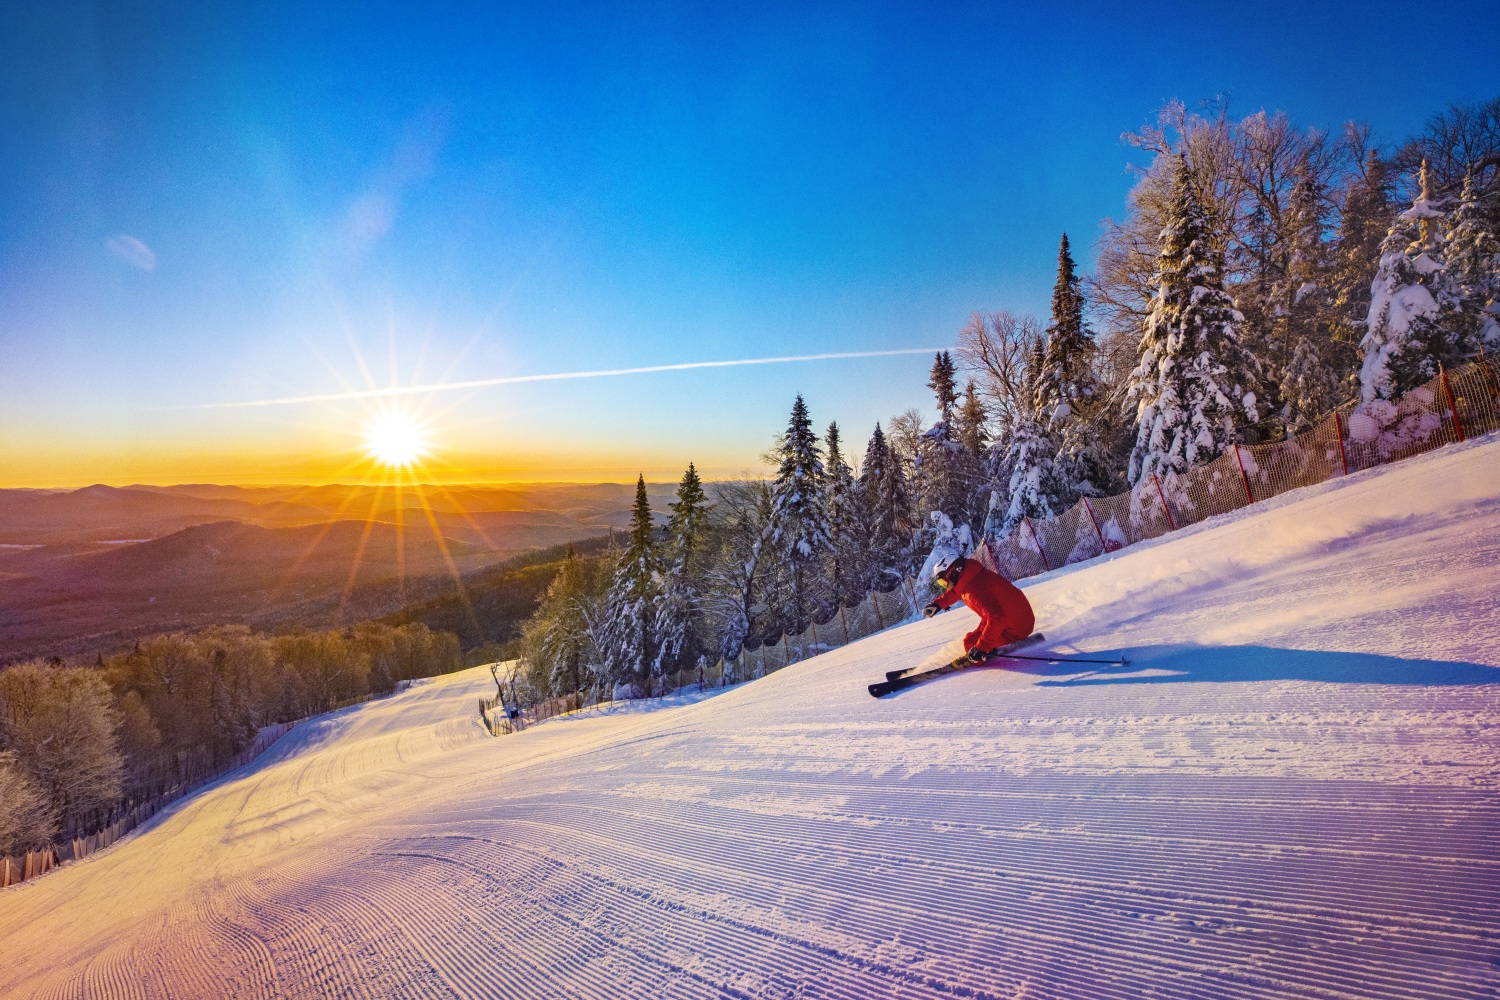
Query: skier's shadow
{"points": [[1168, 664]]}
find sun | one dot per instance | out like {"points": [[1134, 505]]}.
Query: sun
{"points": [[395, 439]]}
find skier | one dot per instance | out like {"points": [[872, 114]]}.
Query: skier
{"points": [[1005, 616]]}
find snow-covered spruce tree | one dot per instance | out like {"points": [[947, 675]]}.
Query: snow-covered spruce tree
{"points": [[680, 632], [883, 492], [937, 478], [736, 581], [943, 385], [1411, 328], [1065, 393], [848, 527], [1302, 369], [799, 524], [557, 636], [1308, 387], [1364, 220], [972, 432], [1036, 486], [1471, 249], [1193, 388], [630, 613]]}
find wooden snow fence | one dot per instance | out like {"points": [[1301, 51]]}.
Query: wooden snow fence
{"points": [[1452, 407], [125, 818]]}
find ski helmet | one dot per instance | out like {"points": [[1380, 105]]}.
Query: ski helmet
{"points": [[942, 564]]}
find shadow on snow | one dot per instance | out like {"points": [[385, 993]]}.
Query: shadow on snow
{"points": [[1191, 663]]}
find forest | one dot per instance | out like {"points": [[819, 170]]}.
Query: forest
{"points": [[79, 741], [1262, 274]]}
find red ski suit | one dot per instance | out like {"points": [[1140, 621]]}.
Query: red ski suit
{"points": [[1005, 615]]}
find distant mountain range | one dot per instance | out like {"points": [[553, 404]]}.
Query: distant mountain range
{"points": [[98, 566]]}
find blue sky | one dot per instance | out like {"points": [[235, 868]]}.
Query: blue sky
{"points": [[218, 202]]}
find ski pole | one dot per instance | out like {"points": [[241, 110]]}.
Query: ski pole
{"points": [[1064, 658]]}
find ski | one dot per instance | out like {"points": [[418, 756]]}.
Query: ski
{"points": [[904, 680], [1030, 640], [882, 688], [1123, 661]]}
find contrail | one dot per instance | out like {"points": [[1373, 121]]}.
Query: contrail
{"points": [[410, 390]]}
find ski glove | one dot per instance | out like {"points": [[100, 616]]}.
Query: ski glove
{"points": [[977, 656], [930, 610]]}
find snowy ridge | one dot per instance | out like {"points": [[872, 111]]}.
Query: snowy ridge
{"points": [[1291, 792]]}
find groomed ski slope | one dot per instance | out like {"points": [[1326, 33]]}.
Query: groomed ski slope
{"points": [[1292, 792]]}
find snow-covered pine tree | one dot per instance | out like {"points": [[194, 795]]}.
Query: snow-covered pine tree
{"points": [[1065, 396], [559, 637], [1364, 219], [687, 525], [799, 523], [1036, 485], [848, 527], [1308, 387], [936, 474], [1193, 388], [1065, 381], [1306, 384], [1471, 250], [1411, 327], [677, 612], [883, 491], [943, 385], [736, 581], [630, 612], [972, 433]]}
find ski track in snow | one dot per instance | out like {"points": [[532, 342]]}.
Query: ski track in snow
{"points": [[1290, 792]]}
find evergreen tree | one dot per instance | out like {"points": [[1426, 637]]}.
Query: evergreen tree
{"points": [[972, 434], [1363, 222], [1306, 380], [943, 386], [1411, 327], [883, 491], [1192, 389], [1065, 377], [561, 630], [630, 614], [937, 473], [677, 615], [799, 534], [847, 527], [1036, 486], [1471, 250], [1308, 387], [1065, 394]]}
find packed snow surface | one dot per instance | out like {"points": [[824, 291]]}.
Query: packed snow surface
{"points": [[1290, 792]]}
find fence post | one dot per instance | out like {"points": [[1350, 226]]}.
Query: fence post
{"points": [[844, 622], [786, 649], [875, 603], [1171, 523], [816, 644], [1089, 507], [1338, 426], [1458, 427], [1249, 497], [1040, 550]]}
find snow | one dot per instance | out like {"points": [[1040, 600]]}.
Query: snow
{"points": [[1291, 791]]}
